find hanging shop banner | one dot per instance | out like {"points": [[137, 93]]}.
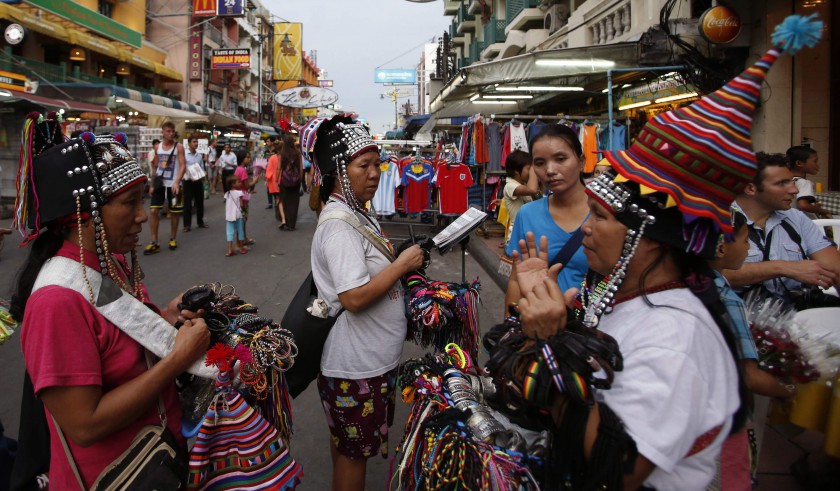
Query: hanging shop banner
{"points": [[92, 20], [720, 25], [231, 58], [305, 97], [13, 81], [395, 76], [204, 8], [669, 88], [230, 8], [196, 33], [325, 83], [288, 46]]}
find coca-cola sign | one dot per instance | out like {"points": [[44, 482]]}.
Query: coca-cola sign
{"points": [[720, 25], [306, 97]]}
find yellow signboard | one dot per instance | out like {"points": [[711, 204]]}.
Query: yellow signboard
{"points": [[288, 46], [310, 113], [12, 81]]}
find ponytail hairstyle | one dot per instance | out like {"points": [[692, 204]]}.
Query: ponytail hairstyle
{"points": [[44, 247]]}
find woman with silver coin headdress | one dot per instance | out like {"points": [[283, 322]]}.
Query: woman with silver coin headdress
{"points": [[356, 274], [101, 357]]}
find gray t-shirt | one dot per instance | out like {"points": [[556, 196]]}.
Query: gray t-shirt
{"points": [[367, 343]]}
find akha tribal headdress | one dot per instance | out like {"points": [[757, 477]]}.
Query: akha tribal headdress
{"points": [[331, 144], [62, 179], [676, 183]]}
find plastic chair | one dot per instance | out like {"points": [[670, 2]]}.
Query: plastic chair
{"points": [[834, 223]]}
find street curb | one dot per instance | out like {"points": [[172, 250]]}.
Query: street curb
{"points": [[487, 259]]}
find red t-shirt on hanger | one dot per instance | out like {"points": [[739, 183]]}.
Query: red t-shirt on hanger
{"points": [[453, 181]]}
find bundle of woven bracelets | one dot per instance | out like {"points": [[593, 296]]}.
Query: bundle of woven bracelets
{"points": [[452, 438], [440, 313], [263, 349]]}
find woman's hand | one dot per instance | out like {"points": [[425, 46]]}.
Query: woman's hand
{"points": [[410, 259], [191, 342], [532, 266], [543, 310]]}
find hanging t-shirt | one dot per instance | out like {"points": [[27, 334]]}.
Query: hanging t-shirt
{"points": [[416, 178], [619, 131], [453, 181], [518, 139], [505, 144], [590, 146], [494, 146], [389, 181], [535, 128]]}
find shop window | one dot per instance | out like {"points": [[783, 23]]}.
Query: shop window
{"points": [[105, 8]]}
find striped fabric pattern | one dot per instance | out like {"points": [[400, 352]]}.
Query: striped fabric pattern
{"points": [[237, 448], [701, 155]]}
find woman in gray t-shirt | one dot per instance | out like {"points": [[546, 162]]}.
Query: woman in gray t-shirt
{"points": [[355, 276]]}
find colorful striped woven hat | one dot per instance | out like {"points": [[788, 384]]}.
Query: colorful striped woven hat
{"points": [[701, 155]]}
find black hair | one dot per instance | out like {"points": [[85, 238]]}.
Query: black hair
{"points": [[230, 180], [155, 142], [798, 153], [739, 221], [289, 154], [327, 185], [516, 161], [76, 134], [765, 160], [43, 248], [560, 131]]}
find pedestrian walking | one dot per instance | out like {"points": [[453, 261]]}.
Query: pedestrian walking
{"points": [[247, 189], [227, 164], [272, 176], [193, 188], [212, 172], [167, 172], [291, 172], [233, 216]]}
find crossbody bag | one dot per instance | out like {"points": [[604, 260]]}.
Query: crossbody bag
{"points": [[154, 460]]}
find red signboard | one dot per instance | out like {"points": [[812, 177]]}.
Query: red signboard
{"points": [[195, 50], [204, 8]]}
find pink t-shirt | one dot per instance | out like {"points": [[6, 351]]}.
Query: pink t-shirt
{"points": [[242, 174], [67, 342]]}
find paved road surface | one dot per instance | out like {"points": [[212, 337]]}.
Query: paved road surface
{"points": [[268, 276]]}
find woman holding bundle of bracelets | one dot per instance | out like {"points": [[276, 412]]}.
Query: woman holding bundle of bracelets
{"points": [[654, 220]]}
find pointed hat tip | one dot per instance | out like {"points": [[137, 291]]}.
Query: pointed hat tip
{"points": [[796, 32]]}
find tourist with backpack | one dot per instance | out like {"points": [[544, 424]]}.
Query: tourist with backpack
{"points": [[291, 172]]}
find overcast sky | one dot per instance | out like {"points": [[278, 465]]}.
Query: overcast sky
{"points": [[353, 37]]}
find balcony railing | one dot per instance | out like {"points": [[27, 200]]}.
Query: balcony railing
{"points": [[494, 31], [611, 26], [463, 15], [213, 34], [514, 7], [49, 72], [475, 52]]}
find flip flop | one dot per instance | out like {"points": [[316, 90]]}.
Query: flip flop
{"points": [[231, 253], [244, 250]]}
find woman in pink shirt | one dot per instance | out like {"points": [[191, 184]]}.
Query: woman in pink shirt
{"points": [[92, 377]]}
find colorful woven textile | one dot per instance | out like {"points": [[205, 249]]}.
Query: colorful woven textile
{"points": [[237, 448], [701, 155]]}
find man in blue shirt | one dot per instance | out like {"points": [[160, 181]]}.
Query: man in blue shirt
{"points": [[782, 240]]}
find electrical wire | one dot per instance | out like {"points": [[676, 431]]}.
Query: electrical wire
{"points": [[409, 50]]}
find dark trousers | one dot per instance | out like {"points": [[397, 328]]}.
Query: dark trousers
{"points": [[193, 191]]}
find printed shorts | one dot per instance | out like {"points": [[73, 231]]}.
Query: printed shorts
{"points": [[359, 413], [164, 195]]}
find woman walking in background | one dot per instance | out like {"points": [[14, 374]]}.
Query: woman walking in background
{"points": [[291, 170], [272, 176]]}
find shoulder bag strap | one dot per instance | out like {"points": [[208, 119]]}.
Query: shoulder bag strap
{"points": [[795, 236], [569, 248], [366, 233], [69, 454]]}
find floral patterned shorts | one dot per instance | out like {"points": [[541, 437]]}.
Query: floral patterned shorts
{"points": [[359, 413]]}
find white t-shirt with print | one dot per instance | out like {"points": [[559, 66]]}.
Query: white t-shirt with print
{"points": [[362, 344], [233, 206], [679, 382]]}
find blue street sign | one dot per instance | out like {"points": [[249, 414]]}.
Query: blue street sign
{"points": [[395, 76]]}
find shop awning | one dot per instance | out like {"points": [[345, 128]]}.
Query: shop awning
{"points": [[554, 67], [170, 112], [75, 106], [224, 120], [262, 128]]}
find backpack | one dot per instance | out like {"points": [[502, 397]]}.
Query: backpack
{"points": [[290, 176]]}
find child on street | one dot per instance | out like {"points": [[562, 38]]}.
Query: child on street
{"points": [[803, 161], [735, 458], [233, 216]]}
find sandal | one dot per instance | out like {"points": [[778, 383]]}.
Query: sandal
{"points": [[244, 250], [250, 242], [231, 253]]}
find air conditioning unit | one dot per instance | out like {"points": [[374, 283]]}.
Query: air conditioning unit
{"points": [[556, 17]]}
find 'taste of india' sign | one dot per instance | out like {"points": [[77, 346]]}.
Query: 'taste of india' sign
{"points": [[720, 25], [231, 58]]}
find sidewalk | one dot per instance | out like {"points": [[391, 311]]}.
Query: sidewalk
{"points": [[783, 444]]}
